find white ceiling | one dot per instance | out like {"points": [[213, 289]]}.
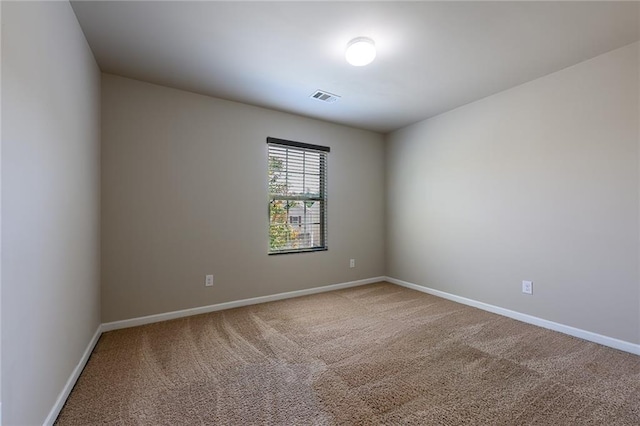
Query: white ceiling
{"points": [[432, 56]]}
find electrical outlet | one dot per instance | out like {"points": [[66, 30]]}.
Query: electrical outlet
{"points": [[527, 287], [208, 281], [352, 263]]}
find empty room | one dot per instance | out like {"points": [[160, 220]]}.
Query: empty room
{"points": [[320, 213]]}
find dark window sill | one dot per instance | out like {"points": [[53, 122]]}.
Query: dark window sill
{"points": [[309, 250]]}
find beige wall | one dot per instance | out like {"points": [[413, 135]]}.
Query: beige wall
{"points": [[184, 193], [0, 215], [539, 182], [50, 204]]}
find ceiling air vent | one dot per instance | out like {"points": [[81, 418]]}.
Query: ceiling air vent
{"points": [[325, 96]]}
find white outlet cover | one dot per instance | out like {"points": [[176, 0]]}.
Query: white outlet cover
{"points": [[208, 280], [527, 287]]}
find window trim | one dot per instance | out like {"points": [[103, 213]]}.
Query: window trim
{"points": [[295, 144], [324, 198]]}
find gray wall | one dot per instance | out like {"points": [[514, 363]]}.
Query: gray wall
{"points": [[50, 204], [184, 193], [539, 182]]}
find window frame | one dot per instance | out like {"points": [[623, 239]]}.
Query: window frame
{"points": [[322, 196]]}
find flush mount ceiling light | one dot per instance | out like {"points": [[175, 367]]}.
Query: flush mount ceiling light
{"points": [[360, 51]]}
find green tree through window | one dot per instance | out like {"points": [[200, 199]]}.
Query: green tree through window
{"points": [[281, 233]]}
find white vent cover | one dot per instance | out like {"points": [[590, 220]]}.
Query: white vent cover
{"points": [[323, 96]]}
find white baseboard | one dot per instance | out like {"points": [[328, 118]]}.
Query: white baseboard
{"points": [[64, 394], [566, 329], [75, 374], [133, 322], [572, 331]]}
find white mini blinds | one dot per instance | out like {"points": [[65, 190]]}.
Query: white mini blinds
{"points": [[297, 196]]}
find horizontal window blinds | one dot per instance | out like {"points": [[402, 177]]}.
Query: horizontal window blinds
{"points": [[297, 196]]}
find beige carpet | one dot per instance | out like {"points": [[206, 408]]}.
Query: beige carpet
{"points": [[377, 354]]}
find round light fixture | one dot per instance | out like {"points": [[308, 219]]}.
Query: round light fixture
{"points": [[360, 51]]}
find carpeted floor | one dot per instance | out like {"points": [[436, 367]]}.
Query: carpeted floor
{"points": [[377, 354]]}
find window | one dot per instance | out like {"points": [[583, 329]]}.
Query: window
{"points": [[295, 220], [297, 196]]}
